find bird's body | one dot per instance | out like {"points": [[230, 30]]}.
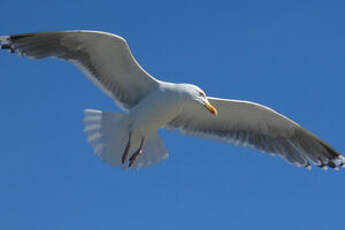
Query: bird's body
{"points": [[157, 109], [130, 139]]}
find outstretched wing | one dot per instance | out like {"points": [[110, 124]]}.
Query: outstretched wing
{"points": [[103, 57], [252, 125]]}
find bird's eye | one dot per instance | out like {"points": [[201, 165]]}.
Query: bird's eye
{"points": [[201, 94]]}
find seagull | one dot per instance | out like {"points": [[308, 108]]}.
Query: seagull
{"points": [[129, 140]]}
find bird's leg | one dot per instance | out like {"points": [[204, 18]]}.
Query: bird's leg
{"points": [[125, 153], [137, 153]]}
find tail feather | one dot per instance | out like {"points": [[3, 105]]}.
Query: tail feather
{"points": [[108, 134], [153, 152]]}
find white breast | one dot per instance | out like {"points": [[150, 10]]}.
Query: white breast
{"points": [[155, 111]]}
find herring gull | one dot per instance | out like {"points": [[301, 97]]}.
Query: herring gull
{"points": [[130, 139]]}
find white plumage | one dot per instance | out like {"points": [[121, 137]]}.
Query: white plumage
{"points": [[130, 140]]}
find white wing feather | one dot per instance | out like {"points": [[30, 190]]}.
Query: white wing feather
{"points": [[105, 59], [253, 125]]}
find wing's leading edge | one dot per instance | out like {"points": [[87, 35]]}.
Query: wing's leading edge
{"points": [[104, 58], [252, 125]]}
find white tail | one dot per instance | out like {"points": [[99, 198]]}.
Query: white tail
{"points": [[108, 134]]}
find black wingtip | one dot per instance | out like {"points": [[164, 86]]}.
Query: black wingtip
{"points": [[333, 154], [7, 47], [331, 164], [335, 159], [20, 36]]}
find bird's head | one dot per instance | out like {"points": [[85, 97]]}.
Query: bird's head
{"points": [[196, 94]]}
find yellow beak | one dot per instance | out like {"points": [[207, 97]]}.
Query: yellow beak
{"points": [[210, 108]]}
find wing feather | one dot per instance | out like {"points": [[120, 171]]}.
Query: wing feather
{"points": [[104, 58], [252, 125]]}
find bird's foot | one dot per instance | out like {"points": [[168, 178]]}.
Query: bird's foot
{"points": [[136, 154], [134, 157], [125, 153]]}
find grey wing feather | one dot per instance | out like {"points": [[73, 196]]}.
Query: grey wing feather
{"points": [[252, 125], [103, 57]]}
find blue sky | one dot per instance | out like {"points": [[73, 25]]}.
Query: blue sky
{"points": [[288, 55]]}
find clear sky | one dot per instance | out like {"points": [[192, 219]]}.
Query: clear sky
{"points": [[288, 55]]}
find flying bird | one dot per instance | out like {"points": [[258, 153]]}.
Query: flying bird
{"points": [[130, 140]]}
